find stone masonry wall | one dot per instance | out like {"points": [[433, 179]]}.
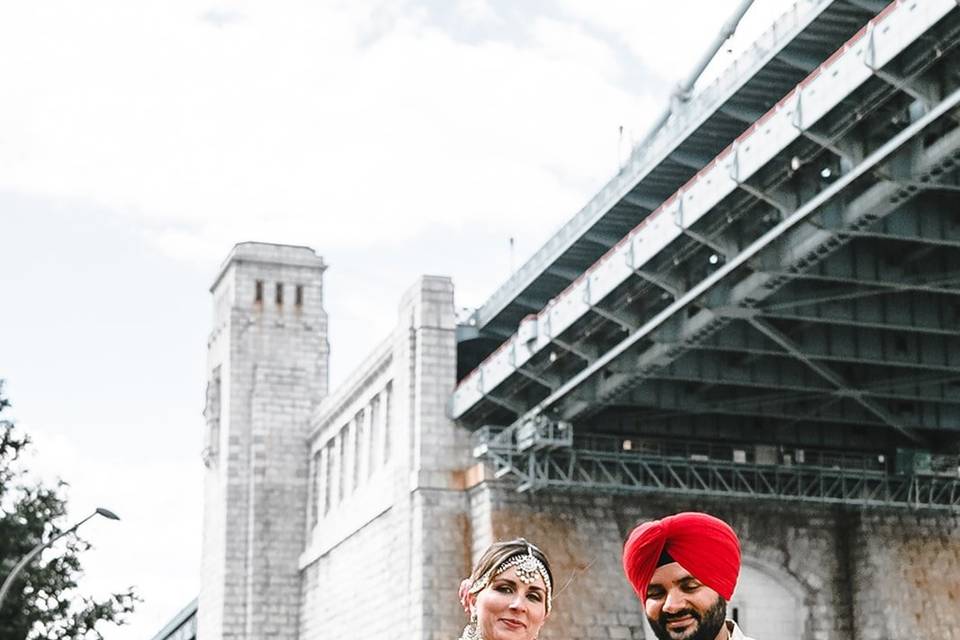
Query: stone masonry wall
{"points": [[376, 562], [269, 347], [908, 576], [440, 453], [853, 575], [358, 590], [279, 406]]}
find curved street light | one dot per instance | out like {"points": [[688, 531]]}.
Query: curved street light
{"points": [[25, 560]]}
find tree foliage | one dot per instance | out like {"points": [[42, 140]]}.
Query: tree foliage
{"points": [[44, 600]]}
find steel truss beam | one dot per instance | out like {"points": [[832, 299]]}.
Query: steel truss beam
{"points": [[789, 248], [672, 285], [778, 200], [843, 387], [796, 248], [546, 380], [617, 317], [924, 90], [806, 295], [766, 390], [662, 393], [948, 242], [629, 472], [661, 396], [842, 345], [863, 264], [584, 352], [916, 313], [640, 423], [774, 382], [509, 405], [888, 285]]}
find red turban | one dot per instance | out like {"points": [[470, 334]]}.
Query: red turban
{"points": [[705, 546]]}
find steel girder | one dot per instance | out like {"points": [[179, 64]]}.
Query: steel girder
{"points": [[705, 125], [741, 345], [828, 222], [814, 323], [795, 250], [630, 472], [808, 254], [745, 430]]}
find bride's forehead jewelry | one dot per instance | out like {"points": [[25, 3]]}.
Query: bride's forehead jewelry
{"points": [[528, 567]]}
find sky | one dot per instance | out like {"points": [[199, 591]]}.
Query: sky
{"points": [[139, 141]]}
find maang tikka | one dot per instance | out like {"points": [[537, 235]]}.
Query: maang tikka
{"points": [[528, 567]]}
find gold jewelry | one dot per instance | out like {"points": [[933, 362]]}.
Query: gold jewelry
{"points": [[528, 567], [472, 630]]}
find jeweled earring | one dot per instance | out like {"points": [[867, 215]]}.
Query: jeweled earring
{"points": [[472, 630]]}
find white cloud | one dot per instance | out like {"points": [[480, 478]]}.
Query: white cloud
{"points": [[254, 123], [671, 37], [397, 138]]}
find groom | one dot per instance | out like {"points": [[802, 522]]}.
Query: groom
{"points": [[684, 569]]}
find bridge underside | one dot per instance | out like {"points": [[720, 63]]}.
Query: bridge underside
{"points": [[796, 45], [801, 339]]}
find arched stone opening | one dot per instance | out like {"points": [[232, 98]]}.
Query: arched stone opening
{"points": [[768, 602]]}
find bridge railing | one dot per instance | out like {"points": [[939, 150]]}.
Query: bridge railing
{"points": [[738, 453], [623, 465]]}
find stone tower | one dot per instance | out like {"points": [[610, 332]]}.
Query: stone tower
{"points": [[268, 360]]}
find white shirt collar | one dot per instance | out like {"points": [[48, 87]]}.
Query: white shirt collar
{"points": [[735, 632]]}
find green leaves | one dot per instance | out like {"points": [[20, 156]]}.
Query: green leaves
{"points": [[44, 601]]}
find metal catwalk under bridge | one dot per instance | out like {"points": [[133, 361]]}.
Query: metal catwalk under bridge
{"points": [[800, 293]]}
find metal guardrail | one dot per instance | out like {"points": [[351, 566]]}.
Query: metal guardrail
{"points": [[603, 471], [740, 453], [823, 477]]}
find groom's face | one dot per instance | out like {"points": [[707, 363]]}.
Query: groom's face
{"points": [[680, 607]]}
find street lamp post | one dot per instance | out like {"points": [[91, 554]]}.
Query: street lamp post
{"points": [[25, 560]]}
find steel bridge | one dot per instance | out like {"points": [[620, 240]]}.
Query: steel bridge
{"points": [[774, 277]]}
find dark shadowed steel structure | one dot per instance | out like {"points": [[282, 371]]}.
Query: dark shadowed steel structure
{"points": [[765, 302]]}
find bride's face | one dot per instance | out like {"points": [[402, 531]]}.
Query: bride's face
{"points": [[510, 609]]}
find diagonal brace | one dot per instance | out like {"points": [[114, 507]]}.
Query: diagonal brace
{"points": [[828, 374]]}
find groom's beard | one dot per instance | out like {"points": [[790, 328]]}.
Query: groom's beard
{"points": [[704, 627]]}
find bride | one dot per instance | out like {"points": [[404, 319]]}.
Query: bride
{"points": [[508, 595]]}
